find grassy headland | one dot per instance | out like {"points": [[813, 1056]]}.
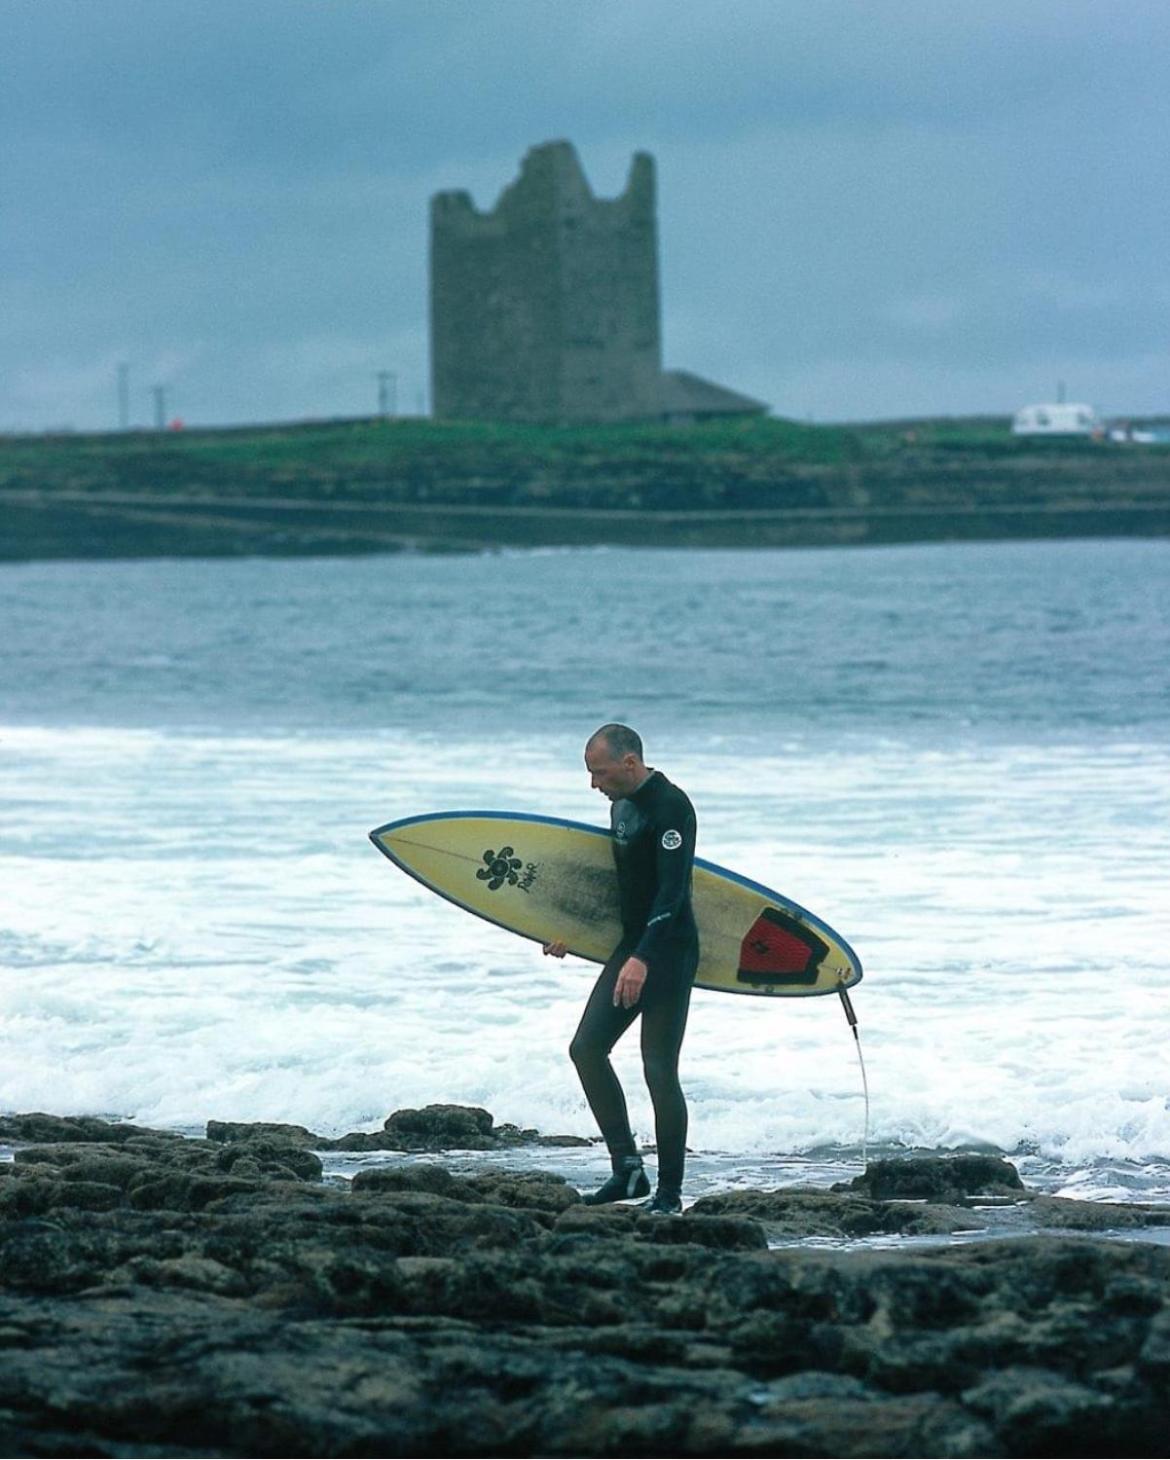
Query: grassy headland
{"points": [[377, 485]]}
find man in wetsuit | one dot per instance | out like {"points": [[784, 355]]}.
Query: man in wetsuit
{"points": [[651, 970]]}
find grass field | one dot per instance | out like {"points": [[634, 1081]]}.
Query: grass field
{"points": [[377, 441]]}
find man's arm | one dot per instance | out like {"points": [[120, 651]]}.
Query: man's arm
{"points": [[674, 835], [628, 989]]}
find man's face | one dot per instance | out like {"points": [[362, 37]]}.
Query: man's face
{"points": [[614, 778]]}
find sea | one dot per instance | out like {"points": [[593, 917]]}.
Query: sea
{"points": [[956, 754]]}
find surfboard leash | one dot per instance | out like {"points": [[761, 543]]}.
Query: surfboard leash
{"points": [[850, 1014]]}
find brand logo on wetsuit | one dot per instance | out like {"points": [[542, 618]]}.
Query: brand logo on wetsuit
{"points": [[671, 840], [504, 867]]}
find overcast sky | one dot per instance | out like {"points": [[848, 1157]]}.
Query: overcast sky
{"points": [[867, 208]]}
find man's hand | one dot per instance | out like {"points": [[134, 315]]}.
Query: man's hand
{"points": [[628, 989], [556, 950]]}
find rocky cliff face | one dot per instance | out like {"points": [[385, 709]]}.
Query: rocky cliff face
{"points": [[169, 1297]]}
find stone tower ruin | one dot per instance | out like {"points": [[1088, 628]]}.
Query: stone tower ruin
{"points": [[546, 308]]}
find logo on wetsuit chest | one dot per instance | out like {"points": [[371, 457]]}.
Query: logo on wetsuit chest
{"points": [[505, 868]]}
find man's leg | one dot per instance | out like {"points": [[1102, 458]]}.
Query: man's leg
{"points": [[667, 1000], [602, 1025]]}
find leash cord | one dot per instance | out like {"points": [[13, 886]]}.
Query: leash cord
{"points": [[846, 1003]]}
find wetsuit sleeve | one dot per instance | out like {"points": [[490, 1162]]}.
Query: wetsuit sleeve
{"points": [[674, 851]]}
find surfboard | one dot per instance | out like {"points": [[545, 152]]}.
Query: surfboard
{"points": [[553, 880]]}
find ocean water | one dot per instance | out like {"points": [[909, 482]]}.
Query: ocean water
{"points": [[958, 755]]}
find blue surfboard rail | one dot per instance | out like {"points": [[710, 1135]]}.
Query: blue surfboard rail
{"points": [[769, 893]]}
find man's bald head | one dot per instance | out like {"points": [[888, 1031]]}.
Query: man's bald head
{"points": [[619, 740], [613, 758]]}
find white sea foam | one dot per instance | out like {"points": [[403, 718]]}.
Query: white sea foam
{"points": [[957, 755], [198, 928]]}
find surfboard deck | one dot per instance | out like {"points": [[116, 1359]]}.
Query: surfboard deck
{"points": [[548, 879]]}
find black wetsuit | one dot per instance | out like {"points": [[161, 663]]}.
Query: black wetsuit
{"points": [[654, 849]]}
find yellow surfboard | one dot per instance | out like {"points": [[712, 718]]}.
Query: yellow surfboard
{"points": [[549, 879]]}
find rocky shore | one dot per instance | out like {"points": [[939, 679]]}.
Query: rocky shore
{"points": [[163, 1296]]}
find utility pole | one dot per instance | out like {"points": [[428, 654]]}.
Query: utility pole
{"points": [[160, 407], [123, 397], [387, 393]]}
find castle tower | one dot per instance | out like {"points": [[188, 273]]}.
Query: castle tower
{"points": [[546, 308]]}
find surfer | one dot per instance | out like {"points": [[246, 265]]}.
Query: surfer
{"points": [[650, 972]]}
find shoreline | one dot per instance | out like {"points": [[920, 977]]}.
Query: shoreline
{"points": [[380, 486], [67, 526], [215, 1296]]}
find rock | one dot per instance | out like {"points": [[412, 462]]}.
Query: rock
{"points": [[512, 1135], [282, 1160], [797, 1212], [226, 1132], [145, 1171], [434, 1128], [720, 1234], [442, 1128], [378, 1140], [37, 1195], [1046, 1413], [942, 1179], [530, 1190], [451, 1128], [1094, 1216], [171, 1297], [1154, 1358], [177, 1191], [46, 1129], [435, 1179], [202, 1274]]}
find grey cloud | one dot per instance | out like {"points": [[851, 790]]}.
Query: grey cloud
{"points": [[849, 190]]}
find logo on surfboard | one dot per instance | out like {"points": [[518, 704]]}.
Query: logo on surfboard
{"points": [[505, 868]]}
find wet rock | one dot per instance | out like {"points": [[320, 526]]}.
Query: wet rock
{"points": [[433, 1128], [225, 1132], [378, 1140], [452, 1128], [1154, 1358], [530, 1190], [200, 1274], [1047, 1413], [37, 1195], [716, 1233], [512, 1135], [798, 1213], [277, 1159], [44, 1129], [442, 1128], [1086, 1216], [147, 1170], [176, 1191], [214, 1297], [946, 1180], [424, 1177], [720, 1234]]}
